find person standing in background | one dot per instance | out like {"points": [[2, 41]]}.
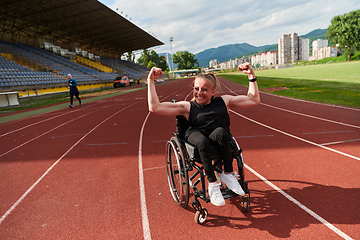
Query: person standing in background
{"points": [[72, 85]]}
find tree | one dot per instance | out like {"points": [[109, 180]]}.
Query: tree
{"points": [[144, 58], [162, 63], [154, 57], [185, 60], [151, 59], [345, 31], [151, 64]]}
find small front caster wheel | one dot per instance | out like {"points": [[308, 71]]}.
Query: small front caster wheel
{"points": [[201, 215], [246, 203]]}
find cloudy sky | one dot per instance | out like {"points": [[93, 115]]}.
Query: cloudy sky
{"points": [[196, 25]]}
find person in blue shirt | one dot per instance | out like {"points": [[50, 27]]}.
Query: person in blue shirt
{"points": [[73, 90]]}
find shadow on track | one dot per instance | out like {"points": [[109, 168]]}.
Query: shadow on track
{"points": [[270, 211]]}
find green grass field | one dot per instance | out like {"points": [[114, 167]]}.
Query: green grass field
{"points": [[339, 72], [335, 83]]}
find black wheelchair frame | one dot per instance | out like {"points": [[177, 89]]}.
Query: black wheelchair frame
{"points": [[182, 158]]}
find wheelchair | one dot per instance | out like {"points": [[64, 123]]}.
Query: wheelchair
{"points": [[184, 170]]}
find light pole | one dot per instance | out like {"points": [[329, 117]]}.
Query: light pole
{"points": [[172, 64]]}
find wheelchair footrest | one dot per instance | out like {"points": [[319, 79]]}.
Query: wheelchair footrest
{"points": [[227, 193]]}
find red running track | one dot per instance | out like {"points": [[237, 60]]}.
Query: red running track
{"points": [[98, 172]]}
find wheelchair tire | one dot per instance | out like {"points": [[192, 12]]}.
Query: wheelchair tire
{"points": [[246, 203], [201, 215], [177, 173], [240, 165]]}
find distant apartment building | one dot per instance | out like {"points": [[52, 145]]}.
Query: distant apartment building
{"points": [[317, 44], [271, 58], [223, 65], [321, 50], [256, 60], [243, 60], [330, 52], [305, 53], [213, 63], [234, 63], [265, 59], [292, 48], [284, 49], [324, 52], [237, 61]]}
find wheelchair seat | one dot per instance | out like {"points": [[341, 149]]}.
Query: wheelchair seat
{"points": [[194, 155], [182, 124]]}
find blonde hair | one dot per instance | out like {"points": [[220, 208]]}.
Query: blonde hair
{"points": [[212, 78]]}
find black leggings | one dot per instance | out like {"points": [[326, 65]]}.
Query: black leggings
{"points": [[72, 97], [202, 142]]}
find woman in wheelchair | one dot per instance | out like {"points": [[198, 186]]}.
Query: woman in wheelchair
{"points": [[209, 122]]}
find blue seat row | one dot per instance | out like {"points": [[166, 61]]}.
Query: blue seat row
{"points": [[57, 67]]}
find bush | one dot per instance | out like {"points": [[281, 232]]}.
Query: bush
{"points": [[356, 56]]}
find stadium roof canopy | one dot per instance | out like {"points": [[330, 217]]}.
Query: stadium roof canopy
{"points": [[88, 23]]}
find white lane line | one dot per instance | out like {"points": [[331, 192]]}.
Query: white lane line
{"points": [[160, 141], [306, 101], [18, 129], [309, 211], [105, 144], [71, 135], [328, 132], [144, 215], [302, 114], [1, 155], [306, 115], [189, 94], [313, 214], [154, 168], [33, 124], [254, 136], [52, 166], [345, 141], [298, 138], [301, 139]]}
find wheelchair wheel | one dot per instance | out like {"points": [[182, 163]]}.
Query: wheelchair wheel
{"points": [[201, 215], [246, 203], [177, 173]]}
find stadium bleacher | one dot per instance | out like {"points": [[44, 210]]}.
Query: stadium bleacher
{"points": [[125, 68], [25, 66], [13, 74]]}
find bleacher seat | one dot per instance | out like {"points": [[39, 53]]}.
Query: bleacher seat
{"points": [[13, 74]]}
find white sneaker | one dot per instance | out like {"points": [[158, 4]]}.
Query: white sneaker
{"points": [[216, 197], [232, 183]]}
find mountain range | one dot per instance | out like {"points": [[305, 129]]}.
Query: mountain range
{"points": [[232, 51]]}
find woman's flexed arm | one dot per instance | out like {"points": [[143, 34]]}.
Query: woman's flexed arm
{"points": [[163, 108], [252, 98]]}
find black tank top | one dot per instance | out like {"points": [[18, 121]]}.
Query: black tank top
{"points": [[205, 118]]}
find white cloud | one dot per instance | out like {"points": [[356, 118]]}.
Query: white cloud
{"points": [[201, 24]]}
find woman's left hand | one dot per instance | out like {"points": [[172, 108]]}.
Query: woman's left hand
{"points": [[247, 69]]}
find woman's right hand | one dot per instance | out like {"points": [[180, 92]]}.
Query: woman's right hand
{"points": [[155, 73]]}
